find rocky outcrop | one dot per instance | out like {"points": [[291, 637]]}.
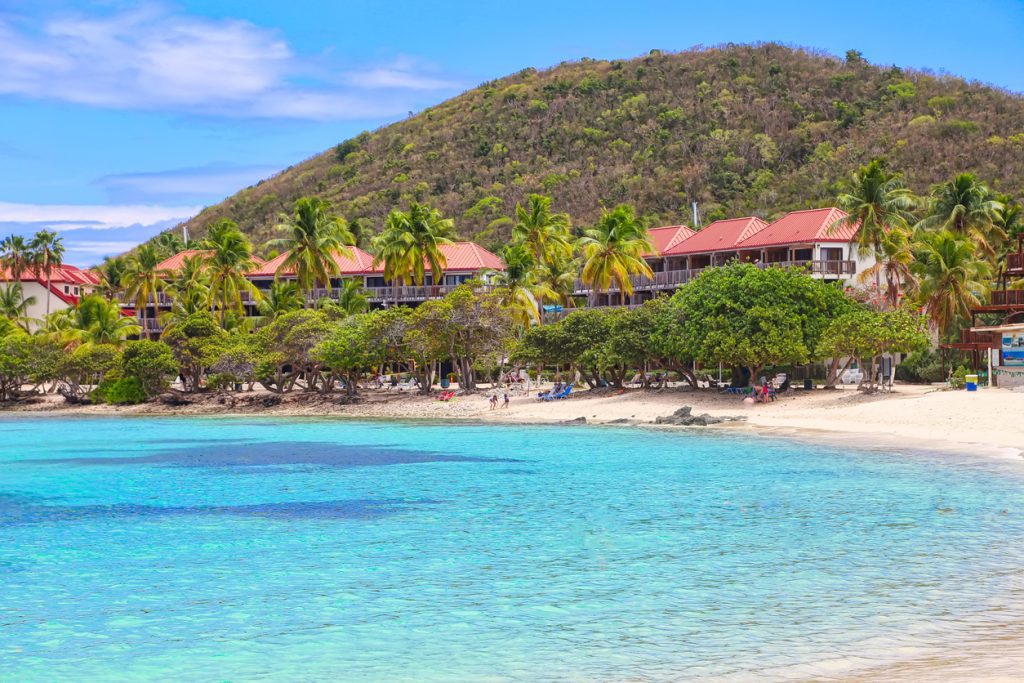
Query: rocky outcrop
{"points": [[684, 417]]}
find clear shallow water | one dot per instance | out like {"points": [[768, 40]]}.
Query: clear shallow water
{"points": [[273, 549]]}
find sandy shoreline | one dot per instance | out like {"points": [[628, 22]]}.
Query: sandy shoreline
{"points": [[909, 418]]}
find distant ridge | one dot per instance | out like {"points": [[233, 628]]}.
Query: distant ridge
{"points": [[745, 130]]}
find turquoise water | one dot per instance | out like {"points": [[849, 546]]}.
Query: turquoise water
{"points": [[286, 549]]}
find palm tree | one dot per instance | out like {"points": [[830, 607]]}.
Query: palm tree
{"points": [[951, 279], [411, 240], [170, 244], [15, 255], [228, 260], [613, 251], [190, 288], [544, 233], [351, 298], [518, 288], [559, 277], [96, 321], [47, 253], [315, 238], [14, 304], [965, 206], [111, 273], [282, 297], [875, 202], [142, 280], [893, 263]]}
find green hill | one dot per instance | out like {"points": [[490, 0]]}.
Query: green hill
{"points": [[747, 129]]}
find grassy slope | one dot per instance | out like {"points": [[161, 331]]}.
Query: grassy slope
{"points": [[741, 129]]}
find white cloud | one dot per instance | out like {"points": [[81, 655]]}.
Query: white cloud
{"points": [[151, 58], [68, 217], [183, 184]]}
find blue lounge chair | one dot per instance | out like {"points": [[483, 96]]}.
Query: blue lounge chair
{"points": [[564, 393]]}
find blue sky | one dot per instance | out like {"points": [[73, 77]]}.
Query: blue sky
{"points": [[118, 119]]}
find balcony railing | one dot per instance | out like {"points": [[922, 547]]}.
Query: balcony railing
{"points": [[1015, 263], [1008, 297], [670, 279], [398, 294]]}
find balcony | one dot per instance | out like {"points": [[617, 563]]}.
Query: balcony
{"points": [[399, 294], [1015, 264], [671, 279], [1008, 297]]}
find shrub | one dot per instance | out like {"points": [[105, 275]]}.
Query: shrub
{"points": [[922, 366], [125, 391]]}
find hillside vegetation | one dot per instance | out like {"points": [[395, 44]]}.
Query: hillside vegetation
{"points": [[742, 130]]}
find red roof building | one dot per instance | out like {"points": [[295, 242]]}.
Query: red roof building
{"points": [[665, 239], [172, 265], [356, 262], [802, 228], [721, 235]]}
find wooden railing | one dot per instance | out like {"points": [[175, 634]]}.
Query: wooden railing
{"points": [[1008, 297], [1015, 263], [670, 279], [968, 336], [393, 294]]}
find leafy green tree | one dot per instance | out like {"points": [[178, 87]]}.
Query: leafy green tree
{"points": [[965, 206], [149, 362], [411, 240], [196, 343], [951, 279], [862, 333], [286, 346], [81, 370], [613, 250], [316, 236], [347, 351], [16, 363], [238, 361], [544, 233], [744, 316], [559, 278], [47, 250], [143, 281], [876, 202], [228, 259], [14, 304]]}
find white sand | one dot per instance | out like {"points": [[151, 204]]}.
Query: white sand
{"points": [[910, 417]]}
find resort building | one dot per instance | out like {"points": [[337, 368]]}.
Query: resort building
{"points": [[68, 284], [808, 239], [464, 261]]}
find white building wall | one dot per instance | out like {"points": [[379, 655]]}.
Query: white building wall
{"points": [[37, 310]]}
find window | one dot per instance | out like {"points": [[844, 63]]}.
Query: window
{"points": [[831, 253], [67, 289], [803, 254]]}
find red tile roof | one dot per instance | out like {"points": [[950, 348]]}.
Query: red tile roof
{"points": [[459, 256], [802, 227], [172, 265], [469, 256], [65, 274], [721, 235], [358, 262], [667, 237]]}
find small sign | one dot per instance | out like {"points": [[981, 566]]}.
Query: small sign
{"points": [[1013, 348]]}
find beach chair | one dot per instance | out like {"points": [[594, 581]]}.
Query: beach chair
{"points": [[446, 396], [564, 393]]}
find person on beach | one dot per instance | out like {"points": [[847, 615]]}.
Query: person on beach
{"points": [[493, 400], [505, 404]]}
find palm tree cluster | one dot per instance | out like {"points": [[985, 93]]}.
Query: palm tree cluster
{"points": [[941, 251], [38, 257]]}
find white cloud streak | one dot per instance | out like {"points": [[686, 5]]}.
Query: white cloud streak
{"points": [[150, 58], [69, 217]]}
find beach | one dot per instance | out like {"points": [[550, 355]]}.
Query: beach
{"points": [[909, 417]]}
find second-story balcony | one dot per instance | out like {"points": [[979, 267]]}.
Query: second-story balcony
{"points": [[671, 279], [1015, 264]]}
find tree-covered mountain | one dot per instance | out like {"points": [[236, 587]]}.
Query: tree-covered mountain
{"points": [[741, 129]]}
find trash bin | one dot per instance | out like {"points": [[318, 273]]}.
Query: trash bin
{"points": [[972, 382], [808, 383]]}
